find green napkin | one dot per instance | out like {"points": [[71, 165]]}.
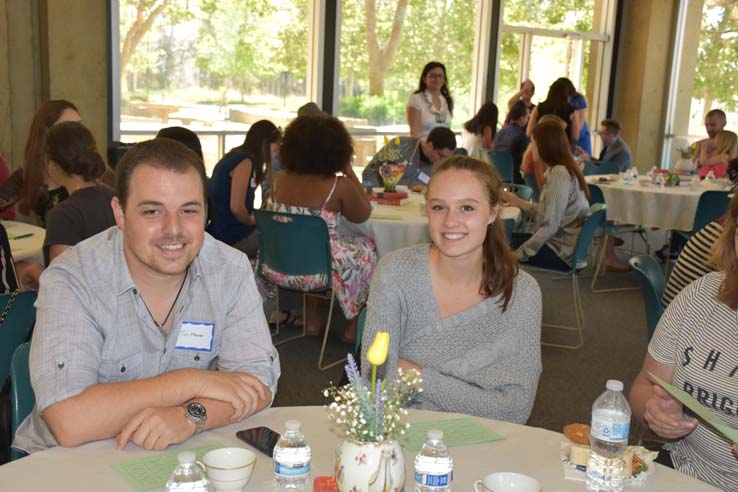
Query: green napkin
{"points": [[152, 472], [705, 414], [456, 432]]}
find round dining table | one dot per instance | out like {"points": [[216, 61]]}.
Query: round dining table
{"points": [[393, 227], [26, 241], [663, 207], [528, 450]]}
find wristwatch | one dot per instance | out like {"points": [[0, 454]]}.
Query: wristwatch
{"points": [[196, 412]]}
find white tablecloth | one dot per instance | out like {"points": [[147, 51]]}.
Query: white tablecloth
{"points": [[28, 248], [650, 206], [527, 450], [394, 227]]}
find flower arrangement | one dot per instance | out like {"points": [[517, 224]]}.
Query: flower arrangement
{"points": [[687, 152], [390, 153], [373, 412]]}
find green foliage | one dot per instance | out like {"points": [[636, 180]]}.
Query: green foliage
{"points": [[716, 76], [377, 110]]}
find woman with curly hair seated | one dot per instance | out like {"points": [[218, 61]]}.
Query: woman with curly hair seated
{"points": [[314, 150]]}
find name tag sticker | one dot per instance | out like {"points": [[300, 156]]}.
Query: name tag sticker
{"points": [[196, 336], [423, 178]]}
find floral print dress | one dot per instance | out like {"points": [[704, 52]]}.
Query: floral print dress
{"points": [[354, 259]]}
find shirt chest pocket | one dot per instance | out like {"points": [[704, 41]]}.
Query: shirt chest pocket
{"points": [[121, 370], [193, 359]]}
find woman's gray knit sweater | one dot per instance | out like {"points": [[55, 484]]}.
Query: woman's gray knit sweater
{"points": [[480, 361]]}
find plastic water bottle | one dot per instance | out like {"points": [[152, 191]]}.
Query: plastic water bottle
{"points": [[659, 180], [434, 468], [608, 439], [187, 475], [291, 457], [634, 174], [710, 178]]}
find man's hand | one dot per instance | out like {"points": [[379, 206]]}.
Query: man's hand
{"points": [[582, 154], [665, 415], [157, 428], [241, 390]]}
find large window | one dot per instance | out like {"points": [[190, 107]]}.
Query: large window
{"points": [[704, 72], [543, 40], [383, 47], [214, 66]]}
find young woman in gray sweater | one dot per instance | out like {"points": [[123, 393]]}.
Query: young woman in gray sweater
{"points": [[459, 310]]}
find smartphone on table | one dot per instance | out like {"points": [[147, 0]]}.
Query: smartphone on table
{"points": [[262, 438]]}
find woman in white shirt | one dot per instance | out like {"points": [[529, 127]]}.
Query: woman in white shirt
{"points": [[431, 105]]}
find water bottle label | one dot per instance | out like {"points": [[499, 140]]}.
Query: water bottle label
{"points": [[297, 470], [434, 480], [610, 431]]}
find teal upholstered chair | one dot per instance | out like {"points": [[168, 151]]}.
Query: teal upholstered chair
{"points": [[297, 246]]}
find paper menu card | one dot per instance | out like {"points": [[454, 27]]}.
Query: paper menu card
{"points": [[703, 412], [152, 472], [456, 432]]}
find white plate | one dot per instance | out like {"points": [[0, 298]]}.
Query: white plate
{"points": [[574, 472]]}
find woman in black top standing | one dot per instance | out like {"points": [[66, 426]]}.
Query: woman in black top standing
{"points": [[557, 103]]}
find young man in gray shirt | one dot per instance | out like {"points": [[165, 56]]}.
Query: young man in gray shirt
{"points": [[150, 331]]}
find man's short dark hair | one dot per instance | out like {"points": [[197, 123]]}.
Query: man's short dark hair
{"points": [[518, 110], [184, 136], [612, 125], [442, 138], [717, 112], [161, 153]]}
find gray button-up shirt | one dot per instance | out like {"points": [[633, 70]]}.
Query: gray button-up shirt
{"points": [[92, 326]]}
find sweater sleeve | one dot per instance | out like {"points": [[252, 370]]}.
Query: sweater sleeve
{"points": [[504, 389], [384, 313], [555, 199]]}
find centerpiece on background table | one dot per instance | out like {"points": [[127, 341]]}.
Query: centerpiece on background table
{"points": [[391, 164], [685, 165], [371, 413]]}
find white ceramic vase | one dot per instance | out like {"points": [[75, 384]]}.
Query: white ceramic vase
{"points": [[684, 165], [363, 467]]}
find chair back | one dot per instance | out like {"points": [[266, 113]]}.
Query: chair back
{"points": [[594, 167], [530, 180], [653, 284], [503, 162], [509, 229], [523, 192], [294, 245], [595, 195], [711, 205], [21, 392], [359, 330], [594, 221], [16, 328]]}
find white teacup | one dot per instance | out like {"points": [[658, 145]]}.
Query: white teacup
{"points": [[229, 469], [507, 482]]}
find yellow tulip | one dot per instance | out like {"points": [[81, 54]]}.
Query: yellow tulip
{"points": [[377, 353], [397, 140]]}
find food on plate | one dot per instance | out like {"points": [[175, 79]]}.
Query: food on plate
{"points": [[577, 433], [579, 455], [418, 188]]}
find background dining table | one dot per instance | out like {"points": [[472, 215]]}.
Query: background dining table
{"points": [[528, 450], [26, 241], [398, 226], [664, 207]]}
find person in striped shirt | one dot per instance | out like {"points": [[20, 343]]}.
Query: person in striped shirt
{"points": [[694, 347], [694, 260]]}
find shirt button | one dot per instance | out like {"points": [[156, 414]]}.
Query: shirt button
{"points": [[60, 365], [123, 369], [165, 350], [135, 292], [197, 357]]}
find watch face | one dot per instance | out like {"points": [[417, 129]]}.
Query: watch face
{"points": [[197, 410]]}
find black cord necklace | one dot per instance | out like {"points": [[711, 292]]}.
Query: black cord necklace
{"points": [[171, 308]]}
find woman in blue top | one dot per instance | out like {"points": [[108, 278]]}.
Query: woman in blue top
{"points": [[233, 184], [579, 103]]}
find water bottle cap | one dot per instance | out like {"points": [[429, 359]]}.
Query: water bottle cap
{"points": [[435, 434], [186, 457], [292, 425], [614, 385]]}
